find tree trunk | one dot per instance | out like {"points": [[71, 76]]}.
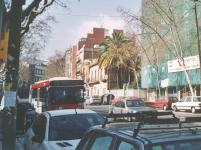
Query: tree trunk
{"points": [[136, 78], [188, 80], [9, 138]]}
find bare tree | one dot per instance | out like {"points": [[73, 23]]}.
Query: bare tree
{"points": [[23, 71], [163, 29], [56, 66], [36, 38]]}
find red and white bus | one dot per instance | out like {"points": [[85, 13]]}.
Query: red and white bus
{"points": [[57, 93]]}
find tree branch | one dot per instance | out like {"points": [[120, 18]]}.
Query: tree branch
{"points": [[32, 11]]}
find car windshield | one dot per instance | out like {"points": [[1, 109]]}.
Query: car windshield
{"points": [[66, 94], [135, 103], [70, 127], [183, 145]]}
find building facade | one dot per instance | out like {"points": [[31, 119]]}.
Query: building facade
{"points": [[36, 70], [97, 80], [170, 51], [89, 49]]}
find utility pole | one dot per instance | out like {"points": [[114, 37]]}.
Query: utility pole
{"points": [[9, 136], [197, 29]]}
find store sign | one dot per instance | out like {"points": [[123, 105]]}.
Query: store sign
{"points": [[164, 83], [191, 62]]}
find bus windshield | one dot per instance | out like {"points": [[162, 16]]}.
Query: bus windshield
{"points": [[66, 94]]}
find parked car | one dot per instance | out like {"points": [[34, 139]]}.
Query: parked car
{"points": [[106, 99], [131, 105], [96, 100], [88, 100], [25, 115], [60, 129], [192, 103], [116, 99], [122, 136], [162, 102]]}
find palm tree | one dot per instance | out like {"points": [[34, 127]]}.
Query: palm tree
{"points": [[116, 56]]}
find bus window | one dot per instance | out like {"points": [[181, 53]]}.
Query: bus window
{"points": [[66, 94]]}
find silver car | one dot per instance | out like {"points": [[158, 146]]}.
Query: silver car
{"points": [[134, 105]]}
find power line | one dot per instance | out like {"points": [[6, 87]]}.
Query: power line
{"points": [[86, 15]]}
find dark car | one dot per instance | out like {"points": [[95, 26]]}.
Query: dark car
{"points": [[106, 99], [25, 115], [136, 136]]}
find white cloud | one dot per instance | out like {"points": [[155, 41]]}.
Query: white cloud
{"points": [[64, 37], [104, 21]]}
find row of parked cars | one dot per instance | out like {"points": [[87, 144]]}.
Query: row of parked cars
{"points": [[83, 129], [146, 129], [187, 103]]}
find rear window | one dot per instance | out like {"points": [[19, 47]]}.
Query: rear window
{"points": [[179, 145], [70, 127], [173, 99]]}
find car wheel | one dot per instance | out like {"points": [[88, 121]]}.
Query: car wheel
{"points": [[193, 110], [174, 108], [165, 107]]}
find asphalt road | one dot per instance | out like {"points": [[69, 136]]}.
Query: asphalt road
{"points": [[104, 109]]}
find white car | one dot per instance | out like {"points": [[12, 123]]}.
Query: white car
{"points": [[88, 100], [133, 105], [192, 103], [60, 129]]}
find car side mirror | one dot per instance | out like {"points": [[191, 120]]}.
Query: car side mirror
{"points": [[37, 139]]}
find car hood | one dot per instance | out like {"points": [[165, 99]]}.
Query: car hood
{"points": [[62, 145], [141, 109]]}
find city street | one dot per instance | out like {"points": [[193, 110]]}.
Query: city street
{"points": [[103, 109]]}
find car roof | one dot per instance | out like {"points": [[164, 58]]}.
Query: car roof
{"points": [[131, 98], [68, 112], [150, 136], [163, 135], [192, 96]]}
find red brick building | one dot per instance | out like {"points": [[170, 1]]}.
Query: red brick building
{"points": [[88, 49]]}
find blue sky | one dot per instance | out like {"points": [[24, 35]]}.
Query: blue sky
{"points": [[79, 19]]}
